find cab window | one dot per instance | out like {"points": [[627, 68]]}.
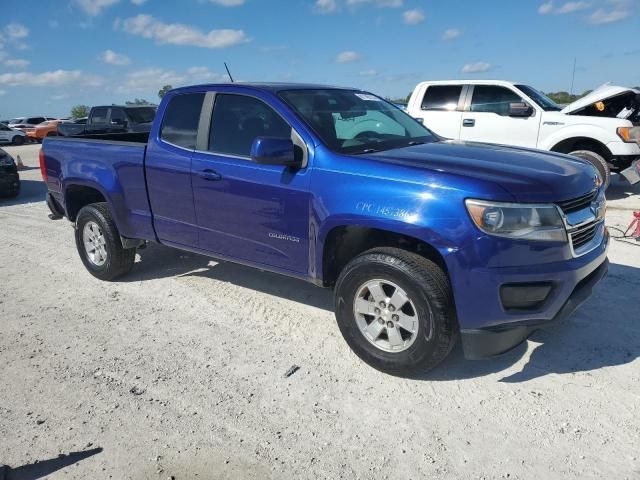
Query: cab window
{"points": [[236, 122], [441, 97], [493, 99]]}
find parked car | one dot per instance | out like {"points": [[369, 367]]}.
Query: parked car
{"points": [[112, 119], [602, 128], [9, 178], [47, 128], [23, 123], [11, 135], [423, 239]]}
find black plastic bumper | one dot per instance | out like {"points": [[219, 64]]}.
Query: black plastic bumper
{"points": [[9, 183], [487, 342]]}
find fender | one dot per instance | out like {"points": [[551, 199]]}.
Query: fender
{"points": [[600, 134]]}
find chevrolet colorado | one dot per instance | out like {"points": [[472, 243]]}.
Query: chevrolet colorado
{"points": [[422, 239], [603, 127]]}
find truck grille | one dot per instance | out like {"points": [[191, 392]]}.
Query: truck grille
{"points": [[583, 235], [576, 204]]}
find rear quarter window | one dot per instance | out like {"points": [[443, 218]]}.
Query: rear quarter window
{"points": [[441, 97], [99, 115], [181, 119]]}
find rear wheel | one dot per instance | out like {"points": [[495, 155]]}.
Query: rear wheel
{"points": [[98, 243], [395, 310], [18, 140], [597, 161]]}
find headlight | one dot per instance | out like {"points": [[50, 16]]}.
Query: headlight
{"points": [[518, 221], [6, 161], [629, 134]]}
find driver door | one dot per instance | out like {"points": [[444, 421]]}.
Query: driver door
{"points": [[487, 118], [254, 213]]}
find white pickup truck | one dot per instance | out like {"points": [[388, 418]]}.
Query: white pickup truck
{"points": [[603, 127]]}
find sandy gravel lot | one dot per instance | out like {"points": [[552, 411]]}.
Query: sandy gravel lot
{"points": [[177, 372]]}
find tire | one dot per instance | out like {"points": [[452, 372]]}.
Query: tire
{"points": [[17, 140], [597, 161], [429, 299], [111, 261]]}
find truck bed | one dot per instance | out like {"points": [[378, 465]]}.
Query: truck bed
{"points": [[111, 164]]}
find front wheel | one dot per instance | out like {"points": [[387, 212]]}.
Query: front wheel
{"points": [[598, 162], [395, 310], [18, 140], [98, 243]]}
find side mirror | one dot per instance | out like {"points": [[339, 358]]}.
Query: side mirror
{"points": [[274, 151], [520, 109]]}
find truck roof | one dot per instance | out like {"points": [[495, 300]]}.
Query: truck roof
{"points": [[266, 86], [470, 82]]}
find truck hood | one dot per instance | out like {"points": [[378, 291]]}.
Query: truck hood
{"points": [[600, 94], [528, 175]]}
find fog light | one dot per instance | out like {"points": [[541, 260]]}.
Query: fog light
{"points": [[524, 296]]}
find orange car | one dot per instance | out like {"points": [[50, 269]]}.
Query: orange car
{"points": [[48, 128]]}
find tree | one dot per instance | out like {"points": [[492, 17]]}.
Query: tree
{"points": [[137, 101], [80, 111], [163, 91]]}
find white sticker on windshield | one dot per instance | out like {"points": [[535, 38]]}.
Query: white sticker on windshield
{"points": [[367, 97]]}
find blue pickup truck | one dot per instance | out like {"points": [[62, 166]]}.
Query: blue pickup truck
{"points": [[423, 239]]}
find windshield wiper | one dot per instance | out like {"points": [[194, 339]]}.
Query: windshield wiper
{"points": [[415, 142]]}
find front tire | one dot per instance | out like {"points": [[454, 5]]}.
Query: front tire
{"points": [[98, 243], [395, 310], [18, 140], [598, 162]]}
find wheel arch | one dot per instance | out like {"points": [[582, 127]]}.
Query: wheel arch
{"points": [[79, 195], [572, 144], [345, 241]]}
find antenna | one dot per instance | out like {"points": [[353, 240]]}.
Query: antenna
{"points": [[573, 76], [228, 72]]}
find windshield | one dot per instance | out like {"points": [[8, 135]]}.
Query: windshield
{"points": [[356, 122], [540, 98], [142, 115], [16, 120]]}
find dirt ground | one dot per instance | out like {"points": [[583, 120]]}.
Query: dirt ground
{"points": [[178, 372]]}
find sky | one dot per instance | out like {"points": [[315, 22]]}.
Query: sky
{"points": [[69, 52]]}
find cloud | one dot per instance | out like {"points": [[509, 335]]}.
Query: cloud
{"points": [[621, 10], [228, 3], [567, 7], [151, 79], [138, 2], [477, 67], [368, 73], [54, 78], [545, 8], [16, 63], [325, 6], [571, 7], [348, 56], [451, 33], [113, 58], [413, 17], [16, 31], [93, 8], [377, 3], [147, 26], [3, 92]]}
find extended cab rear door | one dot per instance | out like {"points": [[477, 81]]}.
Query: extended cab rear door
{"points": [[440, 108], [486, 118], [246, 211], [168, 169]]}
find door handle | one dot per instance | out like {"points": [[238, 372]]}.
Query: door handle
{"points": [[209, 174], [468, 122]]}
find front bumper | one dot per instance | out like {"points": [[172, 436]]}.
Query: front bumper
{"points": [[9, 183], [487, 342]]}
